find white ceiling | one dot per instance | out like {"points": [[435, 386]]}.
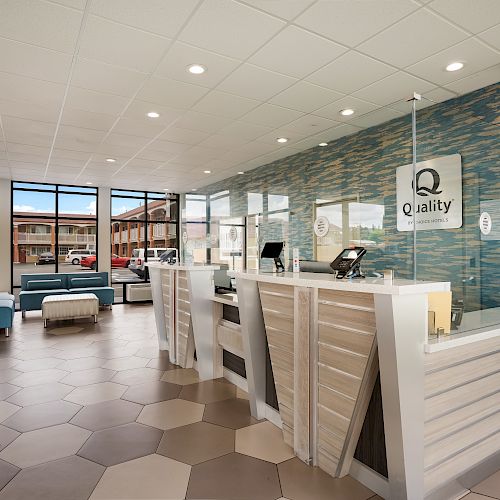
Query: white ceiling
{"points": [[77, 78]]}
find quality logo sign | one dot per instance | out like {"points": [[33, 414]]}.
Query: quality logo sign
{"points": [[438, 194]]}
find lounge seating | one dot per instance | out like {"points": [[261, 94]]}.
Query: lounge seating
{"points": [[7, 309], [35, 287]]}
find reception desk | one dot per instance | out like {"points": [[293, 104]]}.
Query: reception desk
{"points": [[183, 309], [328, 342]]}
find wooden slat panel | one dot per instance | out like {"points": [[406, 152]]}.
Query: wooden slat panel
{"points": [[278, 338], [181, 274], [183, 316], [184, 306], [281, 359], [330, 442], [231, 339], [356, 342], [276, 288], [457, 375], [183, 328], [288, 435], [278, 321], [449, 424], [326, 462], [461, 396], [345, 361], [182, 282], [286, 415], [335, 401], [281, 305], [350, 298], [364, 321], [339, 381], [333, 422], [285, 395], [283, 378], [182, 294]]}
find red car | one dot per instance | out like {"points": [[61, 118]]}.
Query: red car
{"points": [[116, 261]]}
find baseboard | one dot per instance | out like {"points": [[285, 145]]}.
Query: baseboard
{"points": [[235, 379], [371, 479]]}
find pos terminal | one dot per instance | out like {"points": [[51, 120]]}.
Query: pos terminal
{"points": [[347, 263]]}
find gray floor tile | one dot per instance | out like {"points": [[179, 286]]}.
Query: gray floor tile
{"points": [[40, 394], [152, 392], [7, 472], [208, 391], [7, 435], [86, 377], [232, 413], [137, 376], [6, 390]]}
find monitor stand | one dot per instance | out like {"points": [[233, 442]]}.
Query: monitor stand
{"points": [[280, 268]]}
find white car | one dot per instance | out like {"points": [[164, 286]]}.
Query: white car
{"points": [[137, 260], [76, 256]]}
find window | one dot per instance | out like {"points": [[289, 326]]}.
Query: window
{"points": [[53, 219], [140, 221]]}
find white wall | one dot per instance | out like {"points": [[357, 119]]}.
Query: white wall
{"points": [[5, 235], [104, 230]]}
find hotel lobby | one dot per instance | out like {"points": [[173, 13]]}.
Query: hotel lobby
{"points": [[249, 249]]}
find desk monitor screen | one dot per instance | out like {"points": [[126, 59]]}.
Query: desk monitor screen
{"points": [[272, 250], [222, 281], [347, 262]]}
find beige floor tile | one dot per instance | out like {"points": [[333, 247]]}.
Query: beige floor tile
{"points": [[475, 496], [181, 376], [240, 393], [7, 409], [172, 413], [96, 393], [119, 364], [489, 487], [263, 440], [44, 445], [39, 377], [150, 477]]}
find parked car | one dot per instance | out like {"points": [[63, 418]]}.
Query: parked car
{"points": [[46, 258], [76, 256], [137, 260], [116, 261]]}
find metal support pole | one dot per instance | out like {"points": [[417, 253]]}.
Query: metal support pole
{"points": [[416, 97]]}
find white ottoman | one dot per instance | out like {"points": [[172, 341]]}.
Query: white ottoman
{"points": [[69, 306]]}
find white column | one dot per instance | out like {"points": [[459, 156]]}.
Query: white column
{"points": [[104, 231], [5, 232]]}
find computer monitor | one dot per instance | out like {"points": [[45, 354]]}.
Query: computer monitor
{"points": [[222, 281], [169, 256], [272, 250]]}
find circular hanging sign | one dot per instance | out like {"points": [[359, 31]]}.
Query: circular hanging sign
{"points": [[485, 223], [233, 234], [321, 226], [184, 237]]}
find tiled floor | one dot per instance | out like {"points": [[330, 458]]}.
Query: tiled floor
{"points": [[96, 411]]}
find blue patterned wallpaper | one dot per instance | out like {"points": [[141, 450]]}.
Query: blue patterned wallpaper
{"points": [[364, 164]]}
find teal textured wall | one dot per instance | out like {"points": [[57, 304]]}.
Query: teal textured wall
{"points": [[364, 164]]}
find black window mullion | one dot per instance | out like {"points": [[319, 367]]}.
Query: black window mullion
{"points": [[56, 250]]}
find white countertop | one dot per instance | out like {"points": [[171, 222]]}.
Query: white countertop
{"points": [[364, 285], [182, 267]]}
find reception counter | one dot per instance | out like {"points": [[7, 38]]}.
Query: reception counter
{"points": [[328, 342]]}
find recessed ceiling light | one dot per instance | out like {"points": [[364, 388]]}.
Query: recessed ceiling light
{"points": [[194, 189], [207, 171], [196, 69], [347, 112], [281, 140], [165, 189], [323, 144], [110, 160], [153, 114], [454, 66], [241, 173], [88, 183]]}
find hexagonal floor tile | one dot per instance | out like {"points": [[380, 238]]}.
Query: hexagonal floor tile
{"points": [[39, 377], [73, 365], [34, 417], [234, 477], [263, 440], [7, 472], [149, 477], [38, 364], [7, 409], [6, 390], [7, 435], [232, 413], [125, 363], [65, 330], [196, 443], [40, 394], [87, 377], [121, 444], [152, 392], [8, 374], [68, 478], [107, 414], [96, 393], [44, 445], [302, 482], [137, 376], [170, 414], [181, 376], [208, 391], [161, 363]]}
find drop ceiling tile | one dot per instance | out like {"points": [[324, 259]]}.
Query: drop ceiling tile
{"points": [[180, 56], [472, 53], [475, 16], [79, 139], [197, 155], [150, 153], [138, 111], [245, 131], [74, 4], [394, 88], [20, 88], [296, 52], [203, 122], [29, 111], [255, 83], [138, 127], [176, 134], [22, 148], [482, 79], [492, 36], [306, 97], [224, 104], [34, 62], [310, 124], [333, 110], [351, 72], [286, 10], [156, 16], [40, 23], [26, 157], [222, 141], [121, 45], [230, 28], [257, 148], [171, 93], [169, 147], [116, 151], [87, 119], [271, 116], [143, 164], [376, 117], [270, 138], [428, 99], [96, 102], [133, 141], [94, 75], [312, 141], [398, 44], [28, 131], [350, 23]]}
